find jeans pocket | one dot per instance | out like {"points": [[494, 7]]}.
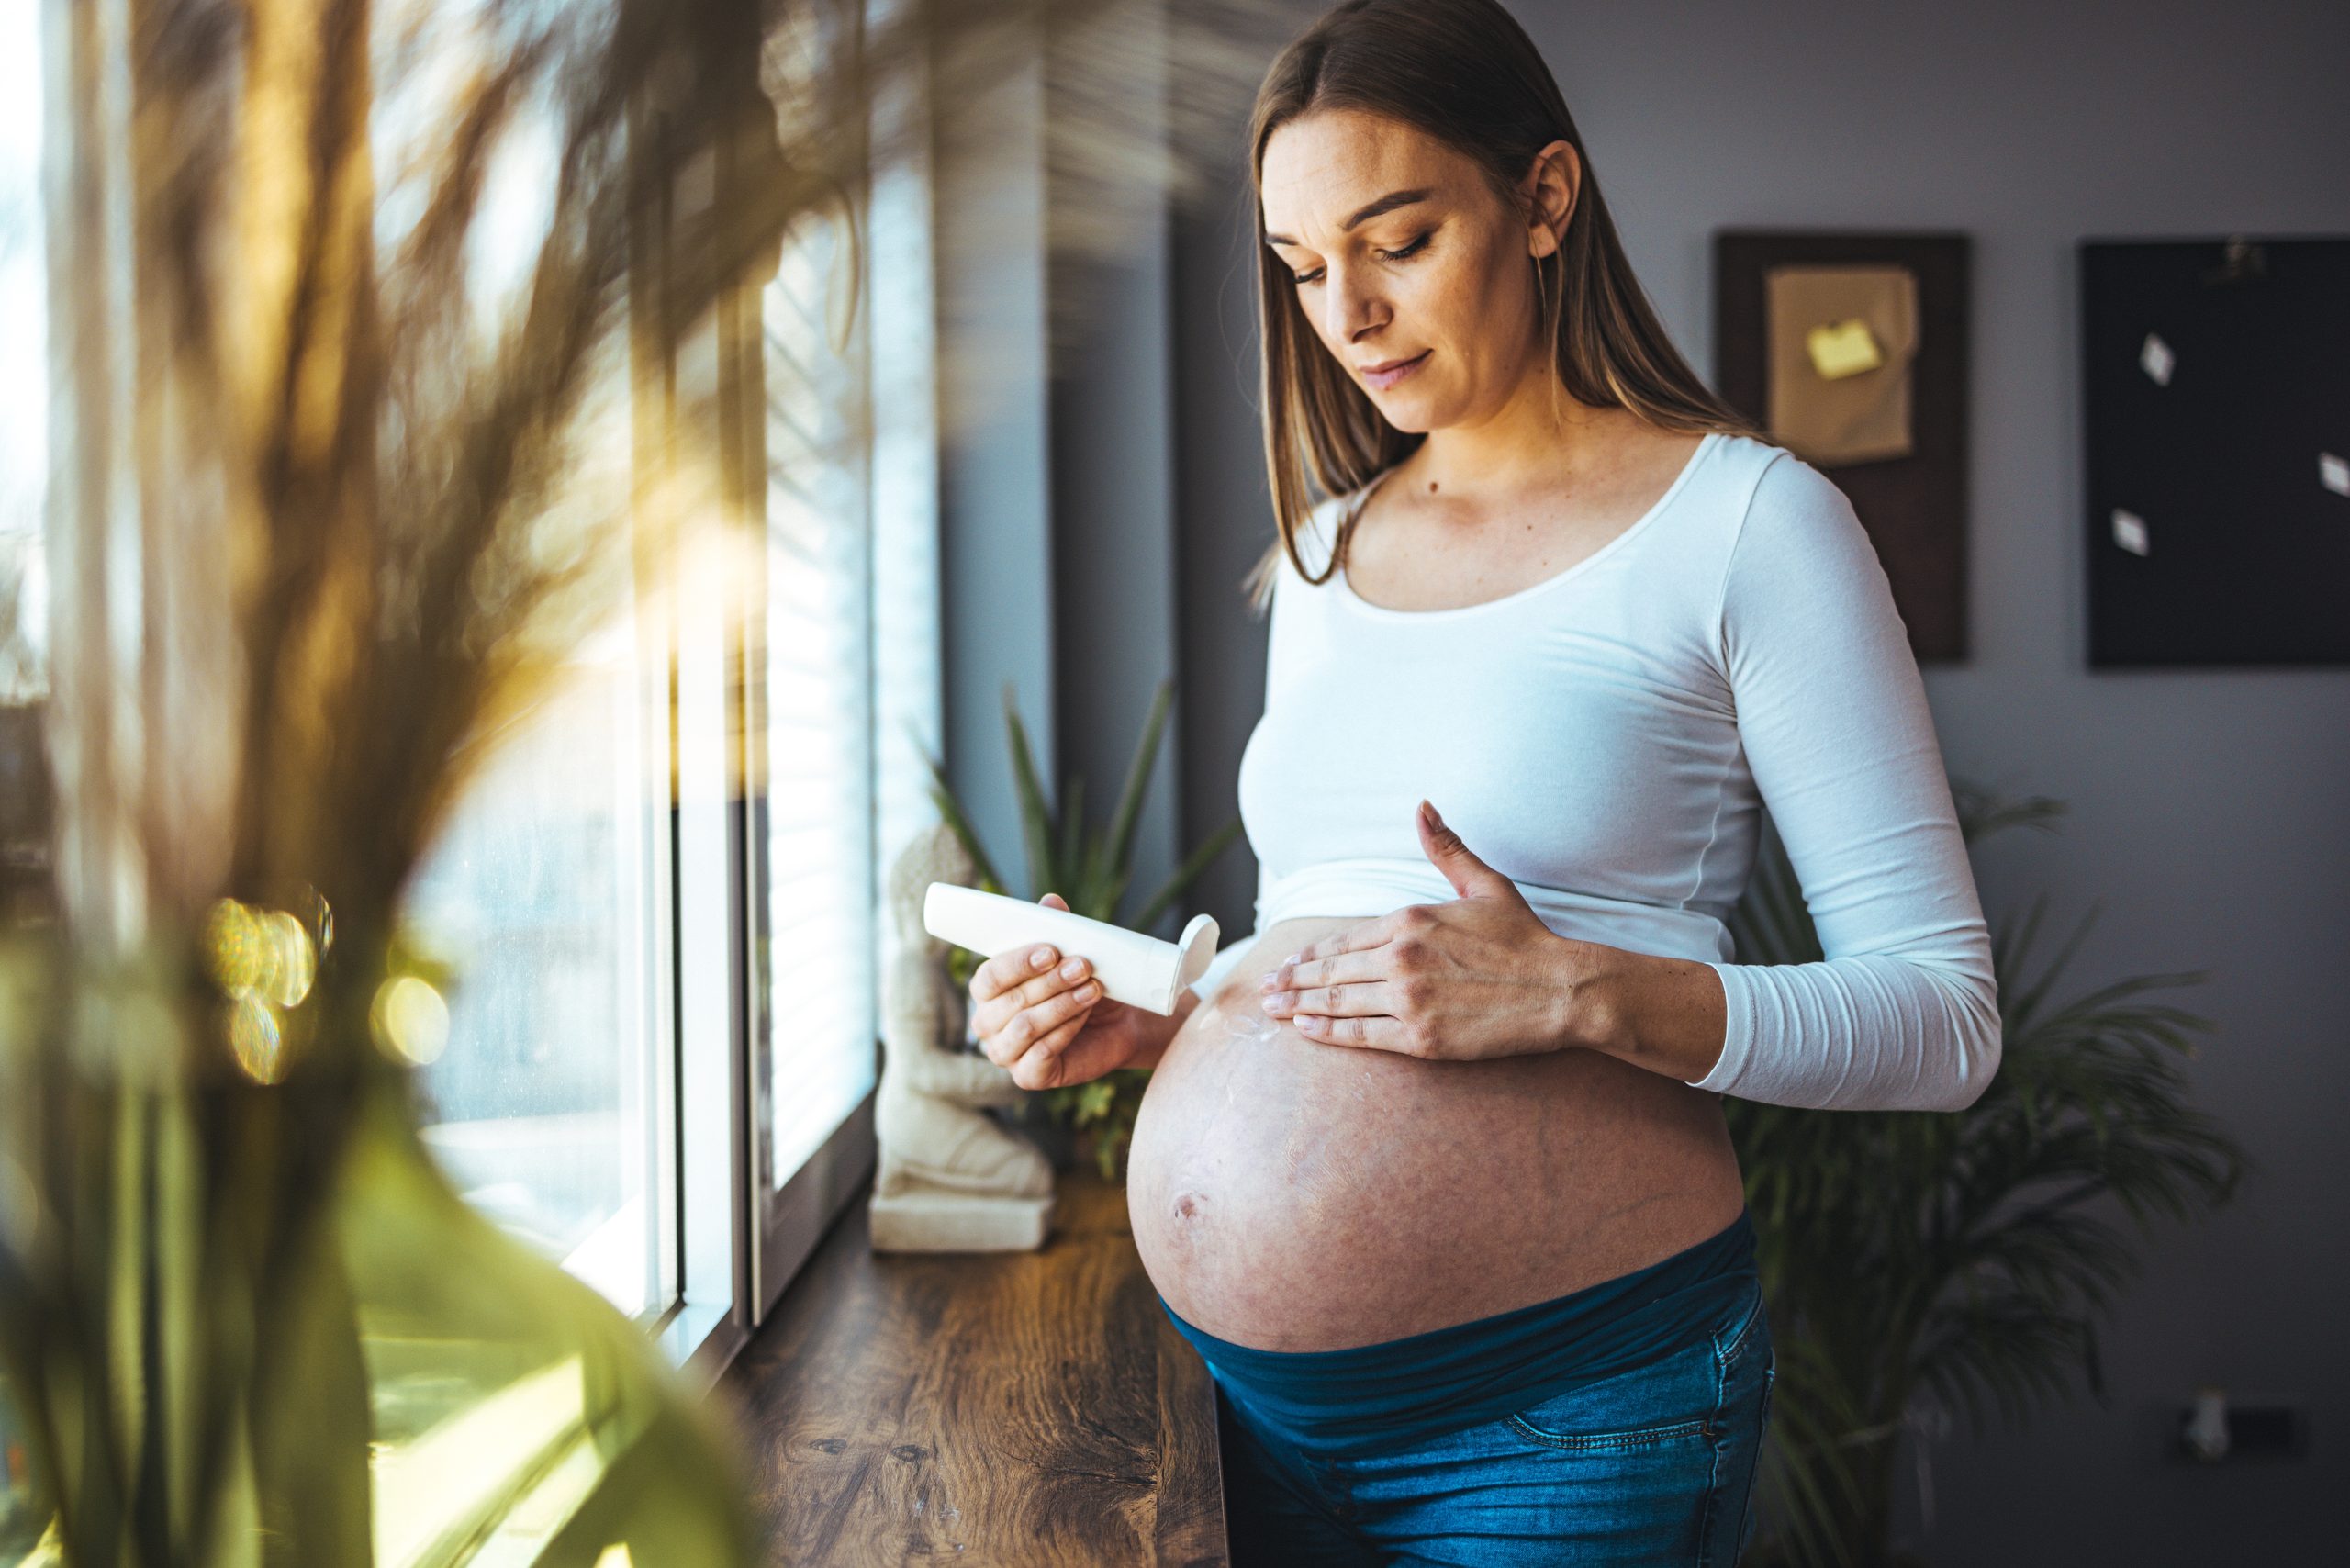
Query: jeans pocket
{"points": [[1738, 1335], [1674, 1400]]}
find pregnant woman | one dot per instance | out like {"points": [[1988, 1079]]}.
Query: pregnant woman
{"points": [[1433, 1169]]}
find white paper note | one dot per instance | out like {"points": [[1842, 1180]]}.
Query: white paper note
{"points": [[2130, 531], [2156, 360]]}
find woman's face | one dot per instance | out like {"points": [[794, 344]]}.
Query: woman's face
{"points": [[1435, 267]]}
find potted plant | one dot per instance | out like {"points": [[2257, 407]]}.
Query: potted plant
{"points": [[1921, 1263], [1091, 869]]}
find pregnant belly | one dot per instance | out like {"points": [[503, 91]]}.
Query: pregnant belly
{"points": [[1292, 1195]]}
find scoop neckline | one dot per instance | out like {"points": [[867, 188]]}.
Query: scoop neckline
{"points": [[1346, 588]]}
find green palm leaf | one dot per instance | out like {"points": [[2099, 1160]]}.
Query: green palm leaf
{"points": [[1129, 812], [1071, 861], [1187, 873], [1036, 816], [950, 812]]}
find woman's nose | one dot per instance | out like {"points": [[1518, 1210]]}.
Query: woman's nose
{"points": [[1349, 308]]}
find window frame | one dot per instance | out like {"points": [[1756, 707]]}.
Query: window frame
{"points": [[726, 1071]]}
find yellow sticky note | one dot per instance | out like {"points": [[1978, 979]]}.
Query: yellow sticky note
{"points": [[1844, 348]]}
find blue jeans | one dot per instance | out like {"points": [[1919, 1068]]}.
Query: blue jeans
{"points": [[1651, 1466]]}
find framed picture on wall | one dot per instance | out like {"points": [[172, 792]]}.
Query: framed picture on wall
{"points": [[2215, 384], [1849, 348]]}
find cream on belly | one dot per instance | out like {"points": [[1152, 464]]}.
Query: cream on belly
{"points": [[1290, 1195]]}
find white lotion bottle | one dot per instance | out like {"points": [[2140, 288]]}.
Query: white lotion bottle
{"points": [[1139, 971]]}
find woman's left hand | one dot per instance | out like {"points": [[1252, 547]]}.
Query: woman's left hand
{"points": [[1478, 977]]}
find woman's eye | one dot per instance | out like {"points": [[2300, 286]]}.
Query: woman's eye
{"points": [[1405, 254]]}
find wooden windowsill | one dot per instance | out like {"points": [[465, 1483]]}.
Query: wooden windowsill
{"points": [[1030, 1408]]}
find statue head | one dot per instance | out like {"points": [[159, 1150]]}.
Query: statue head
{"points": [[933, 855]]}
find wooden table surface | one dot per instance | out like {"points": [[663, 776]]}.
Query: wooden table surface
{"points": [[1028, 1408]]}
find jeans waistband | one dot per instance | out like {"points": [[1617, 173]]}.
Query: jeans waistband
{"points": [[1365, 1399]]}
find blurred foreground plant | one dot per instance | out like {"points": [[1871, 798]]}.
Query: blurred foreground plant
{"points": [[1919, 1263], [248, 1320], [1090, 871], [382, 476]]}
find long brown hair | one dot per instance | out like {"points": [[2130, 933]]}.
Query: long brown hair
{"points": [[1465, 72]]}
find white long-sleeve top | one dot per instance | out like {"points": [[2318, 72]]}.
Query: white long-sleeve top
{"points": [[1607, 739]]}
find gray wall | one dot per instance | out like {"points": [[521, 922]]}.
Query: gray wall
{"points": [[1113, 527], [995, 462], [1057, 527], [2206, 805]]}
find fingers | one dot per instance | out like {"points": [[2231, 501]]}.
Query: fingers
{"points": [[1039, 1067], [1370, 1034], [1052, 1005], [1335, 969], [1365, 999], [1030, 1003], [1030, 1047], [1006, 970], [1361, 938], [993, 1013]]}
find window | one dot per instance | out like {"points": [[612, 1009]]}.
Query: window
{"points": [[674, 867], [815, 688], [843, 691], [549, 1105], [657, 902], [547, 889]]}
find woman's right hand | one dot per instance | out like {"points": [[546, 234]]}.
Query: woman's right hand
{"points": [[1051, 1028]]}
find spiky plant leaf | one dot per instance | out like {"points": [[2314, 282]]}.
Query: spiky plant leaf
{"points": [[1129, 812], [1029, 789], [950, 810], [1068, 860], [1187, 873]]}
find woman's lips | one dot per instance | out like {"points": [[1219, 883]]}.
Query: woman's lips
{"points": [[1380, 380]]}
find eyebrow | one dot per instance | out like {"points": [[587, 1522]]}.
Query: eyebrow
{"points": [[1387, 203]]}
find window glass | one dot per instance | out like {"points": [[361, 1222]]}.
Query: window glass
{"points": [[546, 894], [818, 966], [541, 896]]}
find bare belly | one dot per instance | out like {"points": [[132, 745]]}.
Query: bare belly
{"points": [[1291, 1195]]}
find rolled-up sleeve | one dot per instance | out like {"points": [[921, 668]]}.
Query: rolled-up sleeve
{"points": [[1902, 1013]]}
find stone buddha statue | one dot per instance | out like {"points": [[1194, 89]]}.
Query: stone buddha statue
{"points": [[951, 1178]]}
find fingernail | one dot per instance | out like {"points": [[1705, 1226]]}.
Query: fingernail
{"points": [[1041, 957], [1073, 969], [1088, 991]]}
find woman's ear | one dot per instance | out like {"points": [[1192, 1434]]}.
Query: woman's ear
{"points": [[1550, 189]]}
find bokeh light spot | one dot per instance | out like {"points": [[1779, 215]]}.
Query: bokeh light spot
{"points": [[293, 962], [233, 946], [253, 1035], [410, 1021]]}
